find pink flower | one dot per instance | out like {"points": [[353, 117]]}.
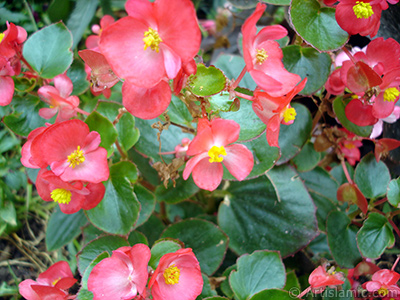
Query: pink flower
{"points": [[178, 276], [59, 99], [263, 56], [349, 147], [121, 276], [274, 111], [11, 41], [384, 283], [92, 41], [152, 42], [6, 82], [211, 148], [359, 17], [71, 150], [71, 196], [51, 284], [319, 279]]}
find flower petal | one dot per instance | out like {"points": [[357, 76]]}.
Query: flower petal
{"points": [[239, 161]]}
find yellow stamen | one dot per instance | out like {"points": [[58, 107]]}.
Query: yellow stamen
{"points": [[55, 281], [261, 56], [289, 115], [362, 10], [1, 37], [171, 275], [349, 146], [61, 196], [76, 157], [383, 292], [151, 39], [391, 94], [215, 152]]}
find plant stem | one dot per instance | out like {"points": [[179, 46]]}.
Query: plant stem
{"points": [[395, 263], [82, 111], [120, 150], [304, 292], [187, 129], [346, 172], [349, 55], [244, 96], [236, 82], [380, 201], [28, 8]]}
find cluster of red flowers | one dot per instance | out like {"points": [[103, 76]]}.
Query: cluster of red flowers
{"points": [[124, 275], [78, 165], [10, 60]]}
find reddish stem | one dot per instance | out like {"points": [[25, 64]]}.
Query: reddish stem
{"points": [[28, 65], [304, 292], [394, 227], [346, 172], [244, 96], [395, 263], [82, 111], [349, 55], [236, 82], [380, 201]]}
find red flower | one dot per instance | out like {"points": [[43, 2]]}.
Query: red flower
{"points": [[11, 40], [71, 150], [121, 276], [383, 146], [384, 283], [275, 110], [178, 276], [211, 149], [263, 56], [359, 17], [6, 82], [319, 279], [71, 196], [59, 99], [92, 41], [348, 147], [51, 284], [151, 43]]}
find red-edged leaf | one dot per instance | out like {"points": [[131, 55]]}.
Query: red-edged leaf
{"points": [[383, 146], [361, 78], [348, 192]]}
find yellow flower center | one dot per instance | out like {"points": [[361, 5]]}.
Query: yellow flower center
{"points": [[76, 157], [349, 146], [151, 39], [289, 115], [55, 281], [215, 152], [1, 36], [391, 94], [383, 292], [61, 196], [362, 10], [171, 275], [261, 56]]}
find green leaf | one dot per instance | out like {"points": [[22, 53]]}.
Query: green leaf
{"points": [[256, 272], [321, 182], [250, 125], [147, 203], [264, 157], [374, 236], [94, 248], [291, 281], [148, 143], [324, 207], [342, 239], [89, 269], [63, 228], [207, 292], [108, 109], [178, 112], [208, 242], [8, 213], [308, 62], [119, 209], [207, 81], [344, 293], [160, 248], [136, 237], [80, 18], [279, 206], [338, 174], [225, 286], [84, 295], [48, 50], [78, 75], [183, 190], [371, 177], [244, 4], [339, 105], [293, 137], [273, 295], [317, 25], [105, 128], [277, 2], [152, 229], [307, 159], [26, 116], [393, 192], [58, 10], [128, 135]]}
